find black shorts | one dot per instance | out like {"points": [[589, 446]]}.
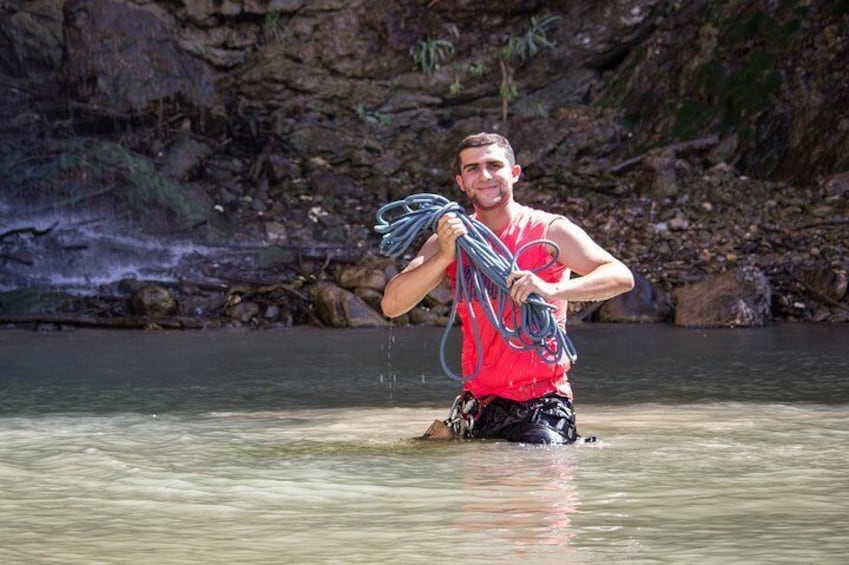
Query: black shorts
{"points": [[549, 419]]}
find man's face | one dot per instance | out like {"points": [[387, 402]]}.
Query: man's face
{"points": [[487, 177]]}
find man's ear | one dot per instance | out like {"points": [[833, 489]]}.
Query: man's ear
{"points": [[459, 180], [516, 171]]}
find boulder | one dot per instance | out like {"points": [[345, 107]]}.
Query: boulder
{"points": [[340, 308], [370, 296], [735, 298], [153, 301]]}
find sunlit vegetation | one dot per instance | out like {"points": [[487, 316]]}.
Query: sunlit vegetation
{"points": [[429, 54], [518, 50]]}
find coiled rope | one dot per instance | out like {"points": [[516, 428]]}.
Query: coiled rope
{"points": [[529, 326]]}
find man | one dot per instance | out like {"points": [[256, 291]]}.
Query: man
{"points": [[516, 395]]}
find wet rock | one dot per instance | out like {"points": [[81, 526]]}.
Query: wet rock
{"points": [[32, 38], [645, 303], [153, 301], [123, 57], [340, 308], [735, 298]]}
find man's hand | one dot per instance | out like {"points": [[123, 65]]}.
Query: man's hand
{"points": [[524, 283], [448, 229]]}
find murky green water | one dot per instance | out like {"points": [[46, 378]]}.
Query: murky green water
{"points": [[294, 447]]}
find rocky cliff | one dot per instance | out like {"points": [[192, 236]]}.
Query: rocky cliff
{"points": [[234, 152]]}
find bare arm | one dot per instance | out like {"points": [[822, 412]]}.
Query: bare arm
{"points": [[603, 276], [425, 271]]}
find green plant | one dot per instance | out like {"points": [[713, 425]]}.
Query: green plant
{"points": [[534, 40], [456, 87], [428, 54], [521, 49], [271, 26], [477, 69]]}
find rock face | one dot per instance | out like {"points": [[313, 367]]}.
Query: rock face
{"points": [[171, 140], [124, 58]]}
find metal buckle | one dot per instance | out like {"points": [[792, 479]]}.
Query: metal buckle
{"points": [[461, 417]]}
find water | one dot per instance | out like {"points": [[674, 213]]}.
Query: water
{"points": [[295, 447]]}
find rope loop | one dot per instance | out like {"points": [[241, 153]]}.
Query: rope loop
{"points": [[529, 326]]}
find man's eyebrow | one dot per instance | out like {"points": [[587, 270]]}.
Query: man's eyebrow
{"points": [[498, 162]]}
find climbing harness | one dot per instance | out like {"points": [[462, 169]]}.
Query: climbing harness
{"points": [[529, 326], [546, 420]]}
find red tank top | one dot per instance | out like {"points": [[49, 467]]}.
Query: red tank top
{"points": [[506, 372]]}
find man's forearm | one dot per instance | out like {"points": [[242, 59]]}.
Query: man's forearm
{"points": [[409, 287], [604, 282]]}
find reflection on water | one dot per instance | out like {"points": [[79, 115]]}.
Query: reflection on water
{"points": [[296, 447]]}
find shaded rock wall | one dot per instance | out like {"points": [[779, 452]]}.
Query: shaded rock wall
{"points": [[768, 76]]}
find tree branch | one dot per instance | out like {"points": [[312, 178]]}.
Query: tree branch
{"points": [[693, 145]]}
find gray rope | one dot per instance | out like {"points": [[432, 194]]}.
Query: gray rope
{"points": [[530, 326]]}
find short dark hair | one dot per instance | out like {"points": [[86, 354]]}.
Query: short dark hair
{"points": [[482, 140]]}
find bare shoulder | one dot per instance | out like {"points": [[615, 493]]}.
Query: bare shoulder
{"points": [[564, 227]]}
